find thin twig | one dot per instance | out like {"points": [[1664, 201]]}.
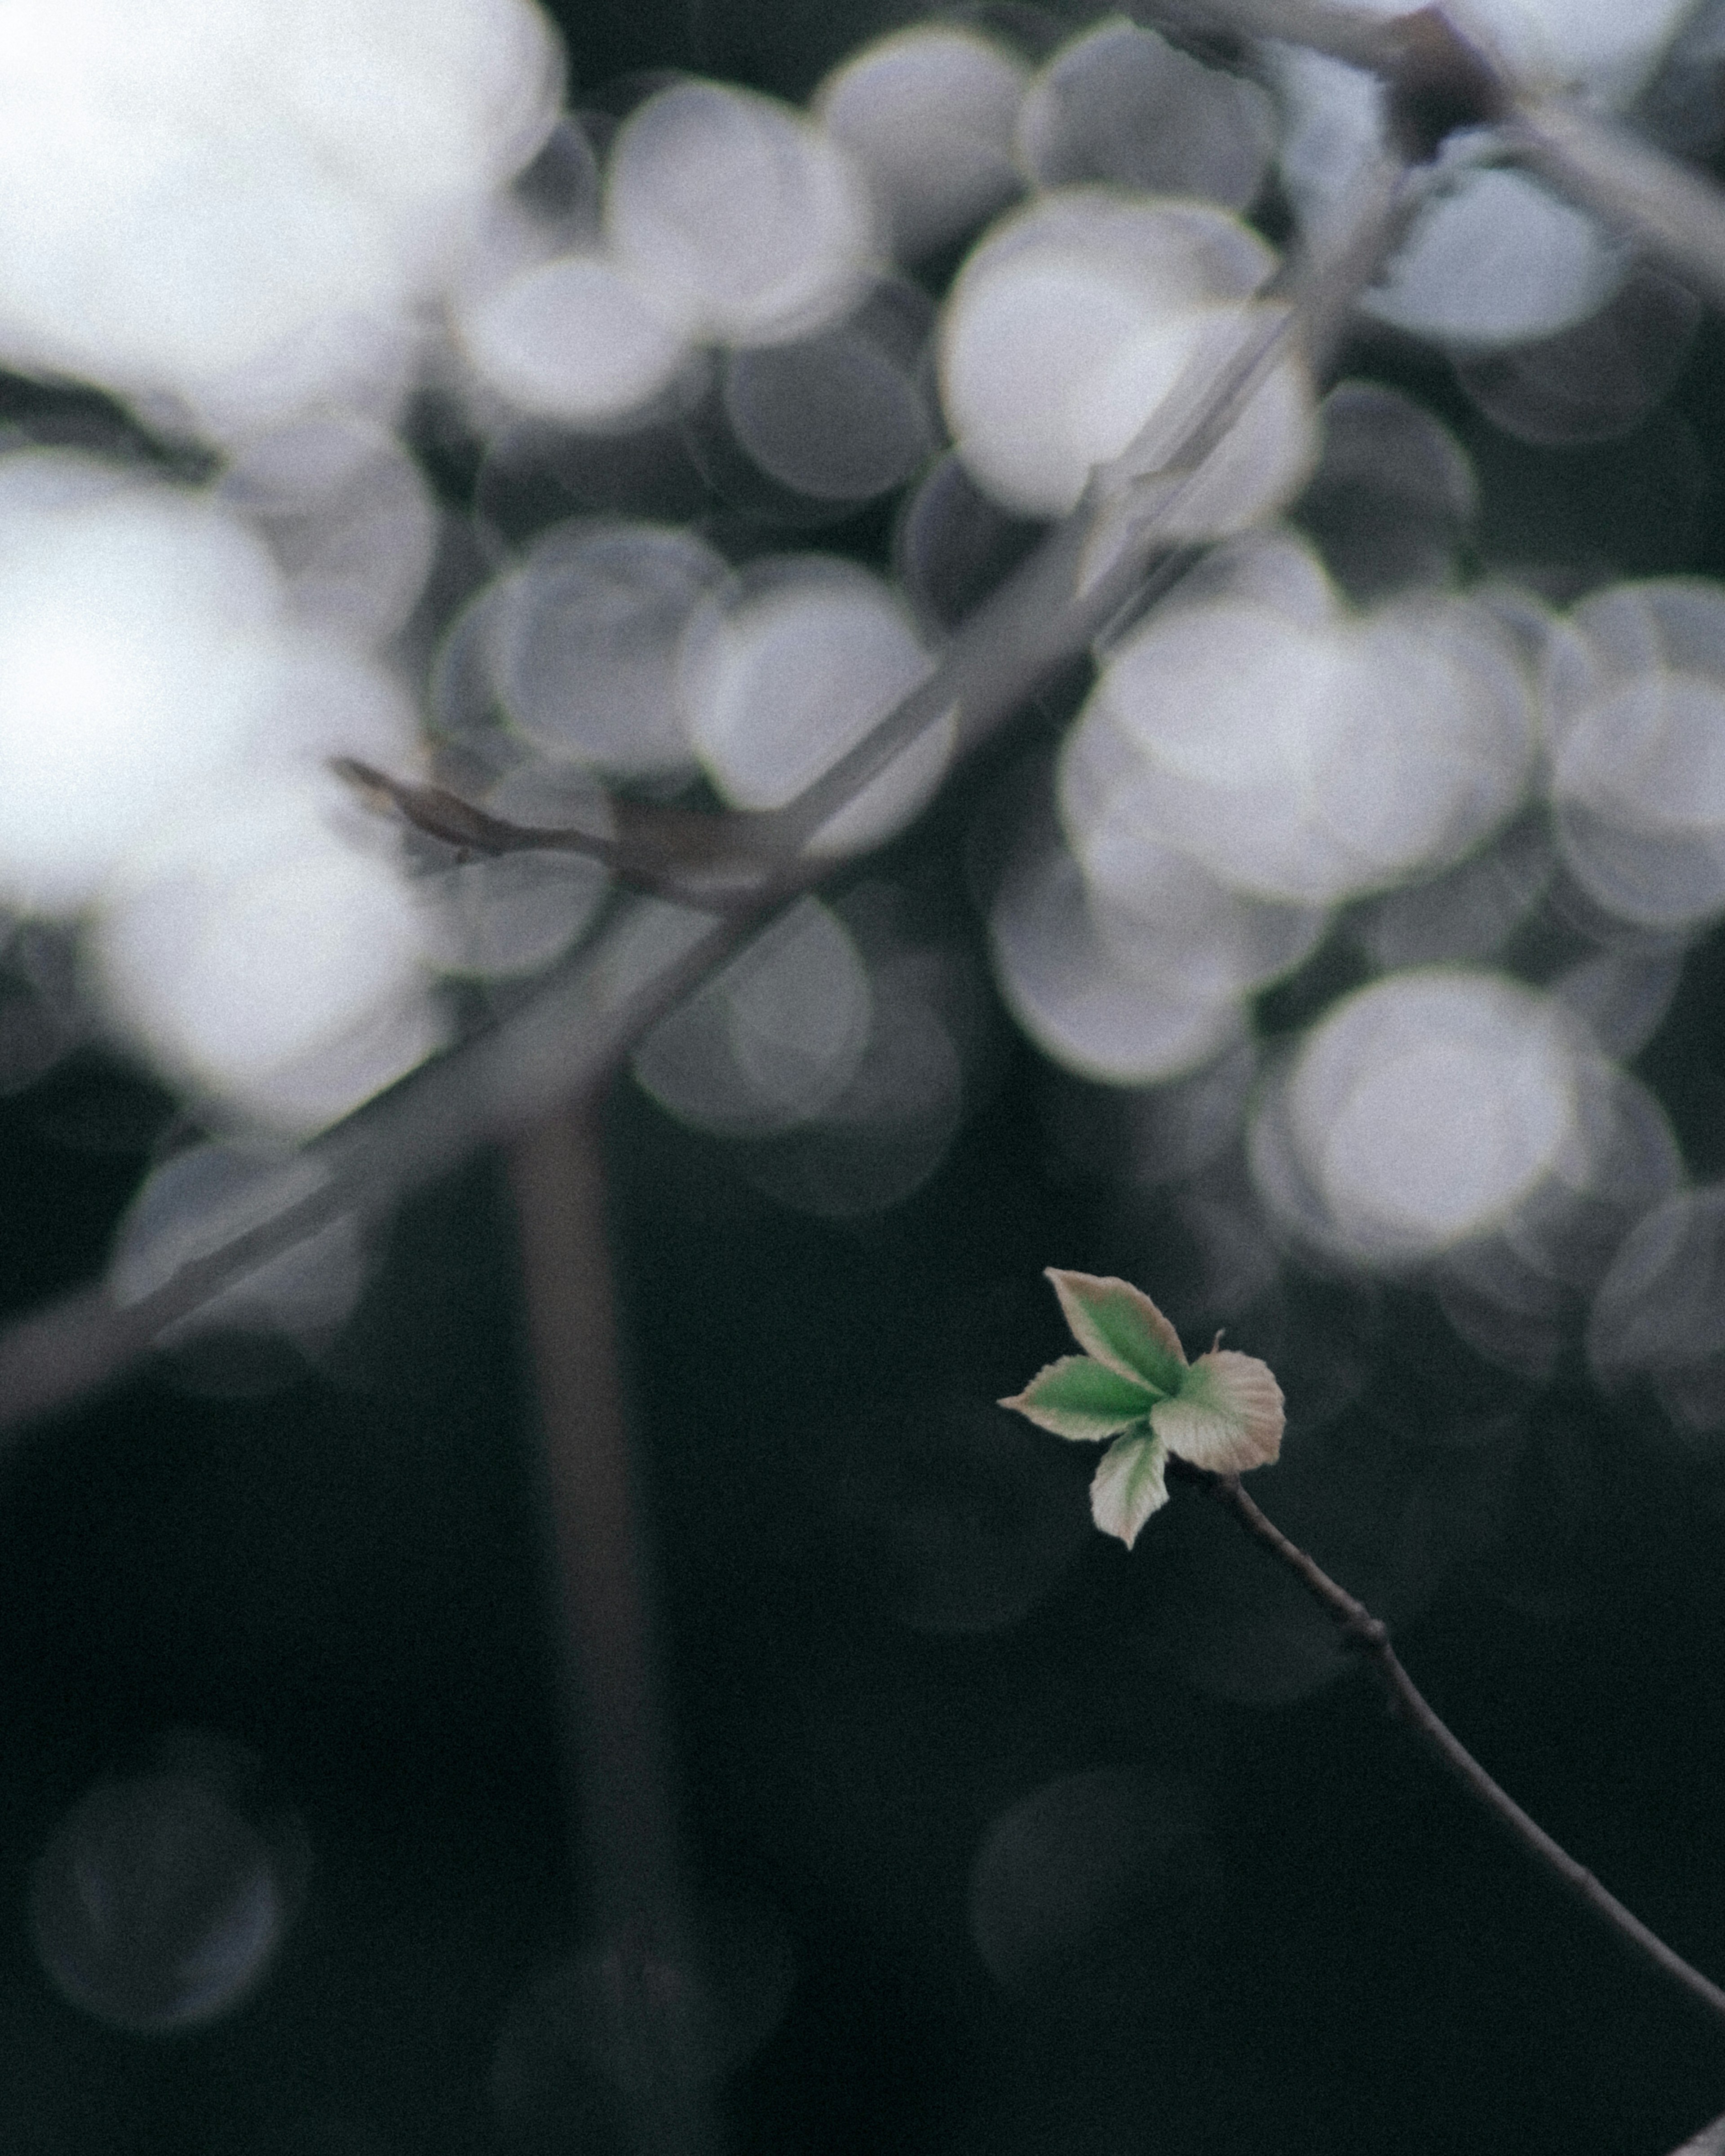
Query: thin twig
{"points": [[721, 862], [1432, 66], [586, 1014], [570, 1034], [1440, 72], [1370, 1635], [1049, 611], [1675, 214]]}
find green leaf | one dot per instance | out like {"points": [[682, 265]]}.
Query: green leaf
{"points": [[1128, 1485], [1228, 1417], [1119, 1325], [1078, 1398]]}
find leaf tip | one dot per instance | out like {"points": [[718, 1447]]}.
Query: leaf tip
{"points": [[1118, 1325], [1128, 1485]]}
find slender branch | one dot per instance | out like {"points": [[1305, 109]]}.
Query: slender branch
{"points": [[1675, 214], [722, 863], [1433, 69], [615, 1749], [570, 1034], [1441, 73], [618, 1775], [586, 1014], [1370, 1635], [1111, 553]]}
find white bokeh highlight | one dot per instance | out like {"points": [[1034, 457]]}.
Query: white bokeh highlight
{"points": [[1119, 104], [1298, 761], [747, 221], [773, 1039], [1493, 258], [173, 690], [575, 338], [142, 640], [1418, 1113], [263, 960], [1126, 1010], [232, 215], [928, 114], [790, 665], [584, 638], [1633, 706], [1091, 323]]}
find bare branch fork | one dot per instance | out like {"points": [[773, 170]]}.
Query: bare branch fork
{"points": [[650, 950], [1441, 73], [695, 886], [589, 1012]]}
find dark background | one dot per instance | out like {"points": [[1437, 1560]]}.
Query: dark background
{"points": [[884, 1622]]}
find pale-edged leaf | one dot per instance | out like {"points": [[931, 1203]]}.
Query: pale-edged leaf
{"points": [[1228, 1417], [1078, 1398], [1119, 1325], [1128, 1486]]}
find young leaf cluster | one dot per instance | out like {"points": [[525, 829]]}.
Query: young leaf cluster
{"points": [[1133, 1385]]}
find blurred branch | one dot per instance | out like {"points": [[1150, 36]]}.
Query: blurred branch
{"points": [[1709, 2142], [584, 1018], [557, 1177], [1370, 1635], [1674, 212], [1110, 553], [1436, 74], [719, 862], [572, 1031], [1441, 74], [614, 1747]]}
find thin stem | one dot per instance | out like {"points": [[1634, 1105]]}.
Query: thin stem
{"points": [[1371, 1636], [1438, 74], [557, 1179]]}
